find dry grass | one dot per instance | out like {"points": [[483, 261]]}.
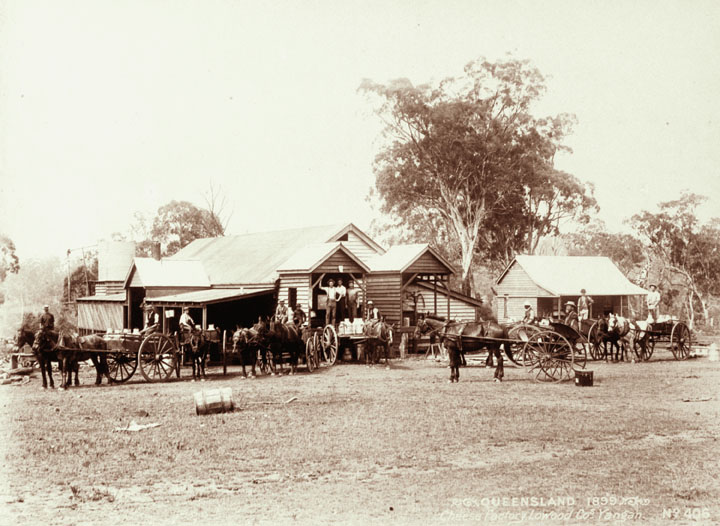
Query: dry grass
{"points": [[362, 445]]}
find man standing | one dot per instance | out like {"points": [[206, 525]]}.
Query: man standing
{"points": [[373, 313], [584, 302], [341, 300], [653, 303], [330, 302], [353, 299], [47, 320]]}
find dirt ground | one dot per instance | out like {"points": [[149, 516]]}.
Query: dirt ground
{"points": [[370, 445]]}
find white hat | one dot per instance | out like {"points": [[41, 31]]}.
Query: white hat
{"points": [[527, 304]]}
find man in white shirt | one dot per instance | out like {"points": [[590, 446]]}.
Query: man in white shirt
{"points": [[341, 301], [331, 302], [653, 303]]}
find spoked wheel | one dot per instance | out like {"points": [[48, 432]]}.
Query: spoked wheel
{"points": [[580, 348], [121, 366], [157, 357], [329, 343], [550, 355], [680, 341], [311, 354], [266, 367], [595, 348], [644, 347]]}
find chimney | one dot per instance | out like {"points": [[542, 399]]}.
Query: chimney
{"points": [[155, 251]]}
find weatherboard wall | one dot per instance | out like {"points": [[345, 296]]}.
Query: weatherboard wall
{"points": [[384, 290], [357, 246], [301, 282]]}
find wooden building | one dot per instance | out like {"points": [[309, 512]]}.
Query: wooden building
{"points": [[232, 280], [547, 282]]}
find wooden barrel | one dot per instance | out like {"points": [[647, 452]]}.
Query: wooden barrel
{"points": [[214, 401]]}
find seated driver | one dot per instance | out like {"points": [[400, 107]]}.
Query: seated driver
{"points": [[187, 325]]}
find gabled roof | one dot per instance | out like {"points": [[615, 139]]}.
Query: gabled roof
{"points": [[308, 258], [566, 275], [362, 235], [400, 257], [254, 258], [168, 273]]}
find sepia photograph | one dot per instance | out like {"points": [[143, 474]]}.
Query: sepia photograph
{"points": [[359, 262]]}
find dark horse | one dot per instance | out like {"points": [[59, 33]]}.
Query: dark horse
{"points": [[460, 337], [73, 349], [247, 342], [197, 346], [284, 338], [379, 334], [44, 349]]}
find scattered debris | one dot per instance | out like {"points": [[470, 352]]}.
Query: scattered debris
{"points": [[291, 400], [696, 399], [134, 426]]}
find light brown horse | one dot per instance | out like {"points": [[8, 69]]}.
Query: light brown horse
{"points": [[461, 337]]}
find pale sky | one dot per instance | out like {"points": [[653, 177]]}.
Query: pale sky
{"points": [[107, 108]]}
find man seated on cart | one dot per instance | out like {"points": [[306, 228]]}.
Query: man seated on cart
{"points": [[152, 320], [299, 316], [571, 317], [187, 325], [529, 317]]}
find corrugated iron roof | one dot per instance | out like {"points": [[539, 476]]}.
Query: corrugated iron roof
{"points": [[252, 258], [400, 257], [107, 297], [308, 258], [205, 297], [167, 272], [566, 275]]}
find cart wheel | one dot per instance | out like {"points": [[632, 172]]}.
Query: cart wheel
{"points": [[594, 344], [157, 357], [550, 355], [121, 366], [310, 355], [329, 344], [643, 347], [580, 352], [680, 341]]}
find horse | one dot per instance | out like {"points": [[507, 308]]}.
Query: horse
{"points": [[379, 334], [285, 337], [460, 337], [44, 349], [614, 330], [73, 349], [198, 348], [247, 342]]}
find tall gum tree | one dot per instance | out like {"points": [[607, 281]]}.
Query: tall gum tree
{"points": [[470, 152]]}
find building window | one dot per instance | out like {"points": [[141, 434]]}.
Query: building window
{"points": [[292, 296]]}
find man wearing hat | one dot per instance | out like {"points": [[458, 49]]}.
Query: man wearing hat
{"points": [[584, 302], [186, 322], [571, 317], [330, 302], [529, 313], [47, 320], [373, 313], [281, 312], [653, 302]]}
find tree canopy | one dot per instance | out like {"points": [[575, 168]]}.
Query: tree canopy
{"points": [[469, 152], [176, 224], [685, 251], [9, 262]]}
